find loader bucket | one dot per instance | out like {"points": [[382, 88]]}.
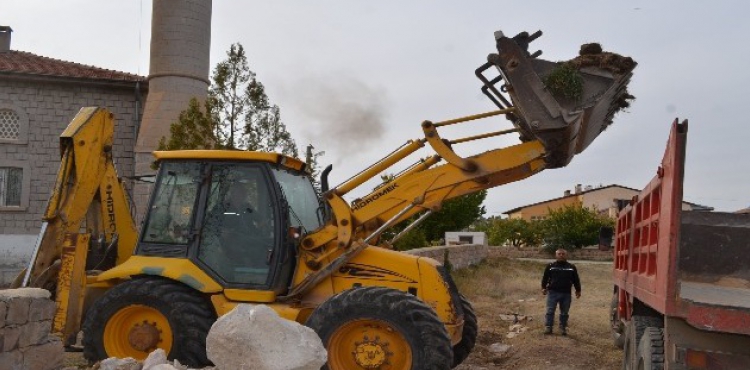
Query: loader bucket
{"points": [[564, 105]]}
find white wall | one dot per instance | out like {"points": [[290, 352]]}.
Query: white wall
{"points": [[15, 253], [454, 237]]}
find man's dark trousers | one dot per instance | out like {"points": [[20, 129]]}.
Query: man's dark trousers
{"points": [[553, 299]]}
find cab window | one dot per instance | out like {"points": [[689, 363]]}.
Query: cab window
{"points": [[172, 204]]}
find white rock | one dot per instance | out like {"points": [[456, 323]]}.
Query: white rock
{"points": [[114, 363], [511, 335], [255, 337], [499, 348], [157, 357], [179, 366], [164, 367]]}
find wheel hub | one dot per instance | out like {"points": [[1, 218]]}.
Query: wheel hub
{"points": [[144, 337], [371, 354]]}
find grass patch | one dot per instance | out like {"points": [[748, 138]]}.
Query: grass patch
{"points": [[500, 278], [565, 81]]}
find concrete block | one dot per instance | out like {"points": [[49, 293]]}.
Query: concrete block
{"points": [[46, 356], [18, 310], [11, 360], [18, 302], [33, 333], [10, 336], [41, 310]]}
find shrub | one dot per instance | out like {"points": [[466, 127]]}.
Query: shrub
{"points": [[412, 240]]}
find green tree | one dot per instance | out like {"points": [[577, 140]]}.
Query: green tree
{"points": [[195, 128], [247, 120], [514, 231], [236, 114], [456, 214], [414, 239], [573, 227]]}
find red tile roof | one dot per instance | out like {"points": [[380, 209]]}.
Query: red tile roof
{"points": [[21, 62]]}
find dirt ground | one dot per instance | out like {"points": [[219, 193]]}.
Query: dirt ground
{"points": [[504, 286]]}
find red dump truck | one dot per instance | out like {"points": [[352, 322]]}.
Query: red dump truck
{"points": [[681, 279]]}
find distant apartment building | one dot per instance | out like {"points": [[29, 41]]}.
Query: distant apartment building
{"points": [[605, 200]]}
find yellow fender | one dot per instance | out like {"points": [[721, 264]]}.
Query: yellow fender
{"points": [[178, 269]]}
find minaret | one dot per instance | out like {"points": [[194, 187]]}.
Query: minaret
{"points": [[179, 70]]}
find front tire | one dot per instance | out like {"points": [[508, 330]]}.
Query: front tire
{"points": [[381, 328], [469, 336], [136, 317]]}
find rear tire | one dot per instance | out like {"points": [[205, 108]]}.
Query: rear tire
{"points": [[365, 328], [651, 350], [634, 332], [136, 317], [469, 336]]}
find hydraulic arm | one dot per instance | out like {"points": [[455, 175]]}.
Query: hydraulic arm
{"points": [[87, 225], [552, 128]]}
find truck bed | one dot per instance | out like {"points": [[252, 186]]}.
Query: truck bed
{"points": [[715, 295], [687, 264]]}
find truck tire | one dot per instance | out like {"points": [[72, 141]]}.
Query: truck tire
{"points": [[136, 317], [651, 350], [469, 336], [618, 329], [636, 327], [364, 328]]}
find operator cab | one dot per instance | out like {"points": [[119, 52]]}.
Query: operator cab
{"points": [[231, 214]]}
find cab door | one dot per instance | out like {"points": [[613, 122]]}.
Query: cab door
{"points": [[240, 226]]}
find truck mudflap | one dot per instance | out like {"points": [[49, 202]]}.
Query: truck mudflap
{"points": [[565, 105]]}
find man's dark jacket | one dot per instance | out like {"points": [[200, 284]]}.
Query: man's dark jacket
{"points": [[560, 276]]}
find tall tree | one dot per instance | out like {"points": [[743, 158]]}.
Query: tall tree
{"points": [[237, 114], [247, 120]]}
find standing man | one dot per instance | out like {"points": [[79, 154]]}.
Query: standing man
{"points": [[559, 277]]}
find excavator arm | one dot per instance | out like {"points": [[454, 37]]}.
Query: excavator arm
{"points": [[87, 225], [553, 128]]}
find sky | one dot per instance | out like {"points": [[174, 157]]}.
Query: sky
{"points": [[356, 78]]}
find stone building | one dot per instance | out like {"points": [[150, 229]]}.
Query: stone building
{"points": [[606, 200], [38, 98], [40, 95]]}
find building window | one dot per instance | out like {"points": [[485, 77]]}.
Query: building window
{"points": [[10, 124], [15, 185], [14, 124], [11, 186]]}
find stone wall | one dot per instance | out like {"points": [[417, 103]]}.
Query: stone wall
{"points": [[25, 325], [460, 256], [590, 254]]}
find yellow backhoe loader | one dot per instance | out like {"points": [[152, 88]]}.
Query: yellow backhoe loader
{"points": [[229, 227]]}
